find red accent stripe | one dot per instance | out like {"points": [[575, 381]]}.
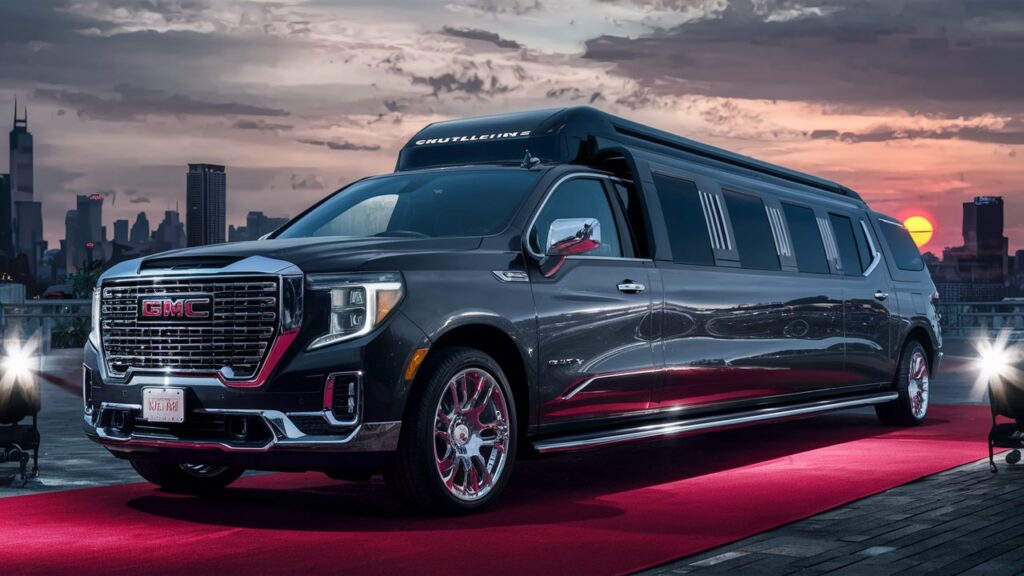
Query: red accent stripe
{"points": [[277, 350]]}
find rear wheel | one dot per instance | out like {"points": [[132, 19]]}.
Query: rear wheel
{"points": [[912, 383], [459, 440], [187, 478]]}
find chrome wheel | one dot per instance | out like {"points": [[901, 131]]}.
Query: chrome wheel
{"points": [[471, 434], [203, 470], [917, 384]]}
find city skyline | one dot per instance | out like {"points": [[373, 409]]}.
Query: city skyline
{"points": [[913, 104]]}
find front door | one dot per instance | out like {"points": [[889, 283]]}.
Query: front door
{"points": [[594, 328]]}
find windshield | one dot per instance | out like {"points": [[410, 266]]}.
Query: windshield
{"points": [[472, 202]]}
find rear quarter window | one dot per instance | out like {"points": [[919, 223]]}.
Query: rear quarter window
{"points": [[901, 245]]}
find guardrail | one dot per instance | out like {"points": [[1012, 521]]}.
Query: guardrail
{"points": [[61, 322], [969, 319]]}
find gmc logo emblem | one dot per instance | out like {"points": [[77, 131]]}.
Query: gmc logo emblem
{"points": [[159, 308]]}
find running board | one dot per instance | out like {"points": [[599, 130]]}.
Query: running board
{"points": [[685, 426]]}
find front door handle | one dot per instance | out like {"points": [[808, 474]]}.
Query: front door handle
{"points": [[630, 287], [879, 295]]}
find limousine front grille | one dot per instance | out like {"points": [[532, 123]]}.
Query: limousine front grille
{"points": [[206, 325]]}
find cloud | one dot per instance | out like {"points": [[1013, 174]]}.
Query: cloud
{"points": [[945, 56], [139, 200], [307, 182], [246, 124], [481, 35], [886, 134], [341, 145], [517, 7], [134, 103]]}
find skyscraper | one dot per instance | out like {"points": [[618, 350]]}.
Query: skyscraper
{"points": [[26, 228], [121, 231], [170, 233], [140, 230], [206, 204], [983, 226], [6, 216], [70, 241]]}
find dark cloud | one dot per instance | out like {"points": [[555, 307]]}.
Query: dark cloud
{"points": [[246, 124], [134, 103], [307, 182], [946, 56], [471, 84], [517, 7], [139, 200], [481, 35], [1011, 137], [341, 145]]}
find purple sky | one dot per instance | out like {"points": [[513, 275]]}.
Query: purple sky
{"points": [[919, 105]]}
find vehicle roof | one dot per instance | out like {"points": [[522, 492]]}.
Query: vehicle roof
{"points": [[566, 134]]}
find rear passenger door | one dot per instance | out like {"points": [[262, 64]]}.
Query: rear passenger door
{"points": [[740, 323], [869, 301]]}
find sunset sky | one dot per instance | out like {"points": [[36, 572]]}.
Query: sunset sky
{"points": [[918, 105]]}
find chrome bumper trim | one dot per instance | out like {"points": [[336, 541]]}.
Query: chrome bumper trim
{"points": [[365, 437]]}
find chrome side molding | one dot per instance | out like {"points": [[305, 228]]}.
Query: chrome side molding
{"points": [[692, 425]]}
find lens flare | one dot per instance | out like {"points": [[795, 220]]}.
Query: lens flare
{"points": [[19, 367], [997, 361]]}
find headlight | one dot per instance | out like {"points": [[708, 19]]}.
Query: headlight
{"points": [[358, 302], [94, 332]]}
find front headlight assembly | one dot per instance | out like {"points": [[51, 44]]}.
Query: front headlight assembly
{"points": [[94, 329], [358, 302]]}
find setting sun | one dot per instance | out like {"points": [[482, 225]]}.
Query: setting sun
{"points": [[920, 229]]}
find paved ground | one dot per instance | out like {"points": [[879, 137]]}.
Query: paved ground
{"points": [[962, 521]]}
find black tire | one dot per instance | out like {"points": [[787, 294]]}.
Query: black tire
{"points": [[413, 475], [909, 408], [185, 478]]}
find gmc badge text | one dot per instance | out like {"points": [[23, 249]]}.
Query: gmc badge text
{"points": [[576, 281]]}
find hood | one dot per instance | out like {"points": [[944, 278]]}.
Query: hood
{"points": [[309, 254]]}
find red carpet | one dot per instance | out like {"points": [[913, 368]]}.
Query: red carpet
{"points": [[609, 511]]}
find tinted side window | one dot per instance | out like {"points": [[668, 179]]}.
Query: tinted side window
{"points": [[578, 198], [684, 219], [634, 212], [904, 251], [866, 255], [754, 239], [810, 252], [842, 227]]}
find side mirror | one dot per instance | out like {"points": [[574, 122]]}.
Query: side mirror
{"points": [[568, 236]]}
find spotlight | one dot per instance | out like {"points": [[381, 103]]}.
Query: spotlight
{"points": [[994, 362]]}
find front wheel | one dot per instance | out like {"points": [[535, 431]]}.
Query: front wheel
{"points": [[912, 382], [187, 478], [459, 440]]}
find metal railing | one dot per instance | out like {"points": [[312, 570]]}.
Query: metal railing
{"points": [[61, 322], [968, 319]]}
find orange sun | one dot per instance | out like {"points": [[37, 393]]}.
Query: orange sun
{"points": [[920, 229]]}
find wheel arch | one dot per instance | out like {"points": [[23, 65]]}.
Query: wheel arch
{"points": [[506, 351], [922, 335]]}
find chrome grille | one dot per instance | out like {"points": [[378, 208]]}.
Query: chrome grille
{"points": [[234, 339]]}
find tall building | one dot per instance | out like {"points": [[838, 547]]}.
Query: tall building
{"points": [[70, 240], [26, 228], [88, 230], [121, 231], [980, 269], [170, 234], [256, 225], [983, 227], [140, 230], [6, 216], [206, 204]]}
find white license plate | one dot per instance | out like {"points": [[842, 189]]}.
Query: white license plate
{"points": [[163, 405]]}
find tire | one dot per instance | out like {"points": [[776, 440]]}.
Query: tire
{"points": [[912, 382], [187, 478], [456, 459]]}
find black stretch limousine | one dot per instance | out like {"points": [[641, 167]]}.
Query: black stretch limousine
{"points": [[525, 283]]}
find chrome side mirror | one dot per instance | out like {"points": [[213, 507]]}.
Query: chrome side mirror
{"points": [[569, 236]]}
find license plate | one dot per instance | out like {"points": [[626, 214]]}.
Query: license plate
{"points": [[163, 405]]}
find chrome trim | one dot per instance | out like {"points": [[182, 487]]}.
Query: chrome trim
{"points": [[874, 249], [85, 403], [511, 275], [547, 196], [831, 251], [328, 413], [699, 424], [369, 436]]}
